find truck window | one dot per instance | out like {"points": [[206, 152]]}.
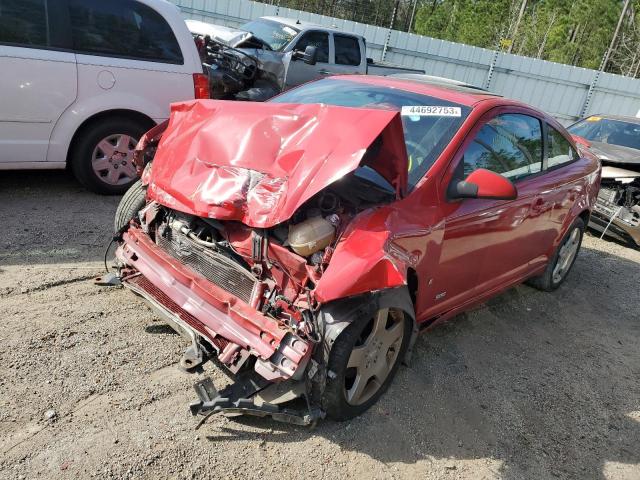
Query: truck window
{"points": [[122, 28], [317, 39], [347, 50], [24, 23]]}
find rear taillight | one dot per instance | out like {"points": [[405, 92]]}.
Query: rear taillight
{"points": [[200, 86]]}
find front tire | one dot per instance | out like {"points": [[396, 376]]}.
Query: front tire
{"points": [[102, 158], [131, 203], [562, 261], [363, 361]]}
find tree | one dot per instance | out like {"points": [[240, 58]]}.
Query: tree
{"points": [[575, 32]]}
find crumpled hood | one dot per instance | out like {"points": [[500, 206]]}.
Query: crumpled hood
{"points": [[615, 153], [259, 162], [226, 35]]}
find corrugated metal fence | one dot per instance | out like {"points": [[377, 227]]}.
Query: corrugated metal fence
{"points": [[564, 91]]}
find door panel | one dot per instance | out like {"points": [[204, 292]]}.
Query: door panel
{"points": [[299, 72], [37, 87], [128, 57], [489, 244], [484, 245]]}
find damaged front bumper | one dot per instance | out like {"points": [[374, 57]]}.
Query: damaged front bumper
{"points": [[209, 314]]}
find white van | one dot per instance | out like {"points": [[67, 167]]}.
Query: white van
{"points": [[82, 80]]}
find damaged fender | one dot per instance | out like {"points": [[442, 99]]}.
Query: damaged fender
{"points": [[366, 258]]}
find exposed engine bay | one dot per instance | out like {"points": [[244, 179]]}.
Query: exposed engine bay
{"points": [[236, 74], [249, 71], [619, 204], [272, 270]]}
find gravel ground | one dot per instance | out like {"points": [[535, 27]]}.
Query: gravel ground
{"points": [[529, 386]]}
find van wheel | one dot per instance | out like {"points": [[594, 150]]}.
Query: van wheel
{"points": [[131, 203], [363, 362], [562, 261], [102, 159]]}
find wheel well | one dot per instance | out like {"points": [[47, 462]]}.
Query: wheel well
{"points": [[412, 285], [585, 216], [102, 116]]}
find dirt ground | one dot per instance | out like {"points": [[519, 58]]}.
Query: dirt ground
{"points": [[530, 386]]}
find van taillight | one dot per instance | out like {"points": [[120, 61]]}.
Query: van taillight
{"points": [[200, 86]]}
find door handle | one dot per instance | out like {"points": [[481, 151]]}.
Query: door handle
{"points": [[324, 72]]}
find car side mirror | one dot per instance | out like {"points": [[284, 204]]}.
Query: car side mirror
{"points": [[309, 56], [483, 183]]}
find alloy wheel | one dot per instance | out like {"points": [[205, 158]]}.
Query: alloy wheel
{"points": [[112, 159], [566, 255], [374, 356]]}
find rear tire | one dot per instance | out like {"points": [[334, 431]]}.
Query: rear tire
{"points": [[562, 261], [102, 158], [339, 398], [132, 202]]}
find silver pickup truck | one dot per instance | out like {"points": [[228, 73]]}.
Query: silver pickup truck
{"points": [[271, 54]]}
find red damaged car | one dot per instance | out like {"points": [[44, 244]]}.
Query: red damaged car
{"points": [[304, 242]]}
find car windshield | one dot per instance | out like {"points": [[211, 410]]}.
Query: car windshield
{"points": [[605, 130], [274, 34], [429, 123]]}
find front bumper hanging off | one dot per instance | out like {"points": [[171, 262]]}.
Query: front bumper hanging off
{"points": [[233, 327], [239, 398], [200, 308]]}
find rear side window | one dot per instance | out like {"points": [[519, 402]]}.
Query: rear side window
{"points": [[320, 40], [24, 23], [122, 28], [559, 148], [510, 145], [347, 50]]}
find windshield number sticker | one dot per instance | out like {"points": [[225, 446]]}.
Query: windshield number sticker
{"points": [[431, 111]]}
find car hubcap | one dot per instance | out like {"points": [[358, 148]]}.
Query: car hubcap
{"points": [[566, 255], [374, 356], [112, 159]]}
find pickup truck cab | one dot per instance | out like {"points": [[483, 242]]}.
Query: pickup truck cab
{"points": [[337, 51], [82, 80], [282, 42]]}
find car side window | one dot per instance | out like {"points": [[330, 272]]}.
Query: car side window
{"points": [[509, 144], [317, 39], [122, 28], [24, 23], [347, 50], [559, 149]]}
